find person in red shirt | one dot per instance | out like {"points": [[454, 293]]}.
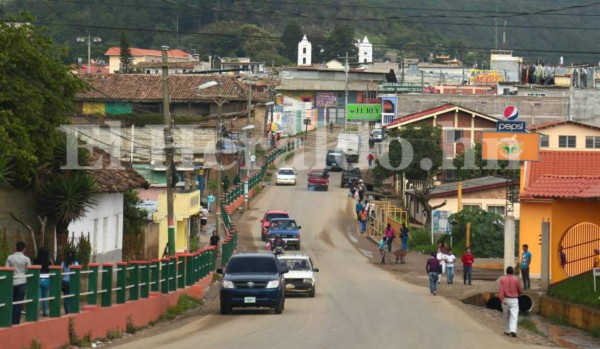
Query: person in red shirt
{"points": [[510, 290], [467, 260]]}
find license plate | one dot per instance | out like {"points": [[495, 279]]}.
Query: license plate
{"points": [[249, 299], [289, 286]]}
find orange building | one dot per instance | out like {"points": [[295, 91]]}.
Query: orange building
{"points": [[563, 187]]}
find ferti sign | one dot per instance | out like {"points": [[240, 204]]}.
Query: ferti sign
{"points": [[510, 146]]}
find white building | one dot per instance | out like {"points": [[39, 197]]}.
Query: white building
{"points": [[104, 222], [304, 52], [365, 51]]}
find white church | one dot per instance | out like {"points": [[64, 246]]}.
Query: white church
{"points": [[365, 51]]}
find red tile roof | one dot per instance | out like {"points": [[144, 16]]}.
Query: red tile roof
{"points": [[432, 111], [559, 123], [116, 51], [566, 187], [563, 174]]}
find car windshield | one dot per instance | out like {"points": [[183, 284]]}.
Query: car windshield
{"points": [[284, 225], [295, 264], [286, 172], [276, 215], [317, 174], [252, 265]]}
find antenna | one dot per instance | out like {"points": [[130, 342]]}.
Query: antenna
{"points": [[496, 36], [504, 36]]}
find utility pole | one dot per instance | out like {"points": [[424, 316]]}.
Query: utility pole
{"points": [[249, 103], [168, 151], [89, 39], [346, 70], [220, 101], [403, 66]]}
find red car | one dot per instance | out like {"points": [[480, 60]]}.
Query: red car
{"points": [[264, 223], [318, 179]]}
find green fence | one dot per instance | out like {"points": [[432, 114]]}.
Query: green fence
{"points": [[134, 281]]}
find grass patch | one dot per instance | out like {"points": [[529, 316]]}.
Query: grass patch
{"points": [[184, 303], [529, 325], [86, 341], [35, 344], [578, 290], [130, 328], [559, 320], [113, 334]]}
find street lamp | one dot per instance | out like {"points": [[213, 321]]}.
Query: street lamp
{"points": [[89, 39]]}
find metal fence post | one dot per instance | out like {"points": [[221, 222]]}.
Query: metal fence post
{"points": [[180, 260], [107, 277], [134, 279], [74, 289], [6, 293], [164, 275], [154, 275], [92, 298], [121, 281], [55, 290], [33, 293], [172, 273], [189, 269], [145, 276]]}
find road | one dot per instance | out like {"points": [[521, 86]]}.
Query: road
{"points": [[357, 305]]}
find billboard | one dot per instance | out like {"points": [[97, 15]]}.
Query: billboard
{"points": [[326, 100], [364, 112], [389, 108], [440, 223], [519, 146], [477, 76]]}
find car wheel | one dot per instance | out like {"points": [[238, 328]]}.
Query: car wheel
{"points": [[312, 292], [225, 309], [279, 307]]}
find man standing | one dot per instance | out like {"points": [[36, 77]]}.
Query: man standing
{"points": [[467, 260], [450, 258], [225, 184], [525, 262], [331, 126], [441, 257], [252, 162], [361, 190], [19, 261], [209, 200], [404, 236], [510, 290], [203, 219], [389, 235], [433, 268], [370, 159]]}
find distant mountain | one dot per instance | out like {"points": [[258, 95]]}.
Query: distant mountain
{"points": [[537, 29]]}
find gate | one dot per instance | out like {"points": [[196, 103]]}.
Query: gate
{"points": [[578, 245]]}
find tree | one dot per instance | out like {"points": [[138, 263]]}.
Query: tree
{"points": [[417, 153], [487, 231], [292, 34], [470, 165], [125, 54], [37, 93], [134, 218], [341, 41]]}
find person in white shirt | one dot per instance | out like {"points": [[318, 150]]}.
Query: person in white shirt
{"points": [[252, 161], [441, 257], [203, 219], [20, 262], [450, 258]]}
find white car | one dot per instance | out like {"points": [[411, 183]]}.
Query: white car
{"points": [[301, 277], [286, 175]]}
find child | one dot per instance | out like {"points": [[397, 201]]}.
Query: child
{"points": [[268, 246], [382, 244]]}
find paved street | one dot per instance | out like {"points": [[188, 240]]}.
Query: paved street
{"points": [[357, 304]]}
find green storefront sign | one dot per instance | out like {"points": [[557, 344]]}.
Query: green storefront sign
{"points": [[367, 112]]}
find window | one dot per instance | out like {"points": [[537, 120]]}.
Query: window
{"points": [[496, 209], [567, 141], [371, 94], [304, 60], [592, 142], [544, 141], [304, 50], [117, 231], [104, 234], [453, 136], [471, 206]]}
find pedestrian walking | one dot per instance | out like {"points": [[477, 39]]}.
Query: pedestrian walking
{"points": [[359, 206], [441, 257], [382, 249], [433, 268], [509, 292], [360, 189], [252, 161], [203, 219], [370, 159], [236, 180], [20, 262], [43, 260], [404, 236], [214, 241], [362, 222], [467, 261], [225, 184], [389, 235], [525, 262], [331, 126], [209, 200], [66, 280], [450, 258]]}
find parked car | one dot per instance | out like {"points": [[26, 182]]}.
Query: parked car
{"points": [[302, 277], [350, 174], [264, 223], [336, 160], [318, 179], [253, 280], [285, 175], [287, 229]]}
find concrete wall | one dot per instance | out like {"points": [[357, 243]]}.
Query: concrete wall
{"points": [[584, 106], [582, 317]]}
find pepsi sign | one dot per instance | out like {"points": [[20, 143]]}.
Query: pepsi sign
{"points": [[511, 113], [511, 126]]}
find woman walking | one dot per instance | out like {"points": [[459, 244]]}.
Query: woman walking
{"points": [[43, 259], [66, 280]]}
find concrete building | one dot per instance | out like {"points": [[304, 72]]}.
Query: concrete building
{"points": [[140, 55], [304, 52], [510, 66], [567, 136], [365, 51]]}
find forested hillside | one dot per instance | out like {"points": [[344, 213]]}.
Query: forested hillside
{"points": [[536, 29]]}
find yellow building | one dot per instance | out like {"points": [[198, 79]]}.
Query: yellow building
{"points": [[563, 187], [186, 205], [567, 136]]}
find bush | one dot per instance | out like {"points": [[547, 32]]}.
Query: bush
{"points": [[487, 231]]}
